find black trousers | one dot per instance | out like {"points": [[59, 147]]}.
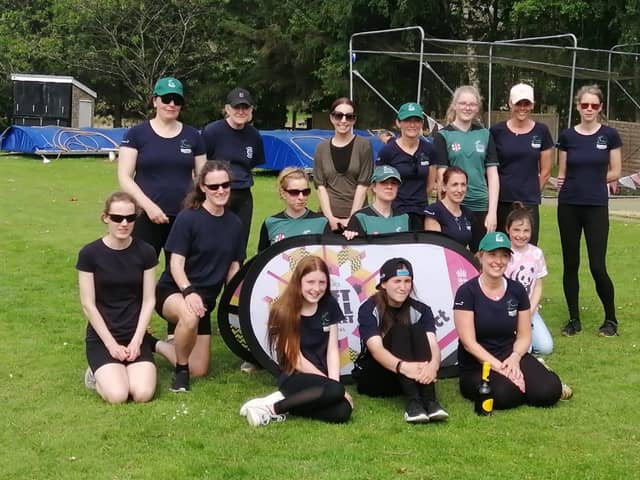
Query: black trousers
{"points": [[241, 203], [503, 211], [594, 221], [155, 234], [542, 387], [478, 230], [314, 396], [408, 343]]}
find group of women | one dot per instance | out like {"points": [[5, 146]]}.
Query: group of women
{"points": [[186, 200]]}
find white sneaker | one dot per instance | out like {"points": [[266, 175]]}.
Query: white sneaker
{"points": [[248, 367], [260, 415], [262, 401], [89, 379]]}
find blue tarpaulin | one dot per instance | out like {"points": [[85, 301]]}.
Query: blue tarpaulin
{"points": [[283, 148]]}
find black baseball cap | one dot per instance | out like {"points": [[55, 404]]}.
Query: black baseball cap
{"points": [[395, 267], [239, 96]]}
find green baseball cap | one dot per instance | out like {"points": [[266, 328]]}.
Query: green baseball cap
{"points": [[409, 110], [167, 85], [494, 241], [384, 172]]}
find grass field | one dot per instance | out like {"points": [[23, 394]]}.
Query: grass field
{"points": [[53, 428]]}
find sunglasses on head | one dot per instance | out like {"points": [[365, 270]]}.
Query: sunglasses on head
{"points": [[215, 186], [350, 117], [295, 192], [585, 106], [172, 97], [115, 218]]}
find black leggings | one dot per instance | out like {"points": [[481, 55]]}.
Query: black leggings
{"points": [[155, 234], [314, 396], [542, 387], [241, 203], [408, 343], [504, 208], [478, 230], [594, 221]]}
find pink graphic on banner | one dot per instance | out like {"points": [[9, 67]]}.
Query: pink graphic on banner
{"points": [[459, 268]]}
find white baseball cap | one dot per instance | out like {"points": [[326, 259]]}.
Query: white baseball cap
{"points": [[521, 91]]}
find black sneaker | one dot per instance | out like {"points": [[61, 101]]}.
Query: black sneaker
{"points": [[435, 412], [180, 382], [608, 329], [415, 413], [571, 328]]}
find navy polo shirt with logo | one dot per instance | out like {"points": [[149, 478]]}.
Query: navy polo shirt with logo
{"points": [[587, 165], [242, 148], [519, 161], [164, 166], [495, 321], [414, 171]]}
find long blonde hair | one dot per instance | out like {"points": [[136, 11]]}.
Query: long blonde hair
{"points": [[451, 110]]}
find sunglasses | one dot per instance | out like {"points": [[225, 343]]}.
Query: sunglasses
{"points": [[115, 218], [215, 186], [172, 97], [593, 106], [295, 192], [350, 117]]}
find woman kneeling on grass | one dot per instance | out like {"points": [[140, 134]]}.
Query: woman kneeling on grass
{"points": [[303, 332], [493, 319], [116, 275], [400, 353]]}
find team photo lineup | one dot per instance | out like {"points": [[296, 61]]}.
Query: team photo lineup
{"points": [[475, 191]]}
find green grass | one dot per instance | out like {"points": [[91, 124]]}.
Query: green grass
{"points": [[53, 428]]}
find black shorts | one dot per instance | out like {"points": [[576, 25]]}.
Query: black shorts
{"points": [[98, 354], [165, 291]]}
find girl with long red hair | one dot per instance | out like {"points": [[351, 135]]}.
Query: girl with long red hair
{"points": [[303, 333]]}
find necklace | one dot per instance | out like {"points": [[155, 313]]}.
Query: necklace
{"points": [[493, 293]]}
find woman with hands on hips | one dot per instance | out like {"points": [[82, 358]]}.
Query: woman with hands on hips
{"points": [[493, 319]]}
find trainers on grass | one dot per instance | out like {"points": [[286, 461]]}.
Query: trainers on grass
{"points": [[567, 392], [435, 412], [180, 381], [262, 401], [89, 379], [415, 412], [608, 329], [248, 367], [571, 328], [260, 415]]}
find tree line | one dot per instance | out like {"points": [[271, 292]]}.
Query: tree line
{"points": [[289, 53]]}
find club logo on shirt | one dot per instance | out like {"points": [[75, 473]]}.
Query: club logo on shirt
{"points": [[424, 160], [512, 308], [249, 151], [326, 322], [601, 142], [279, 237], [536, 142], [480, 148], [185, 147], [456, 147]]}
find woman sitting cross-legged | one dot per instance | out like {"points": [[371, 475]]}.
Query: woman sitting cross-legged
{"points": [[303, 332], [400, 354]]}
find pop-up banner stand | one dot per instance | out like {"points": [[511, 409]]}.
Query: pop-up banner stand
{"points": [[440, 266]]}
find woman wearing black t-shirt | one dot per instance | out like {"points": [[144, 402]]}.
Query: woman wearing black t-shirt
{"points": [[493, 320], [157, 162], [303, 333], [206, 246], [116, 276], [524, 149], [589, 157]]}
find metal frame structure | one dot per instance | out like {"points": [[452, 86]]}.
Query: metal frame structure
{"points": [[423, 58]]}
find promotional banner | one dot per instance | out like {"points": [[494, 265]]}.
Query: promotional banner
{"points": [[440, 267]]}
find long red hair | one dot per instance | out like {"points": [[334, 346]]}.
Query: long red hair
{"points": [[283, 331]]}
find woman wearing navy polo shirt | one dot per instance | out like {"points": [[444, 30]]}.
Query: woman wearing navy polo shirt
{"points": [[466, 144], [524, 149], [303, 333], [235, 140], [493, 320], [414, 157], [157, 163], [448, 215], [206, 251], [589, 157]]}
